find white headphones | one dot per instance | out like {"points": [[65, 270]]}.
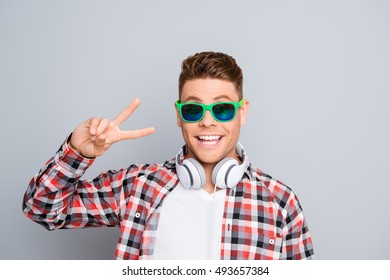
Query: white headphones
{"points": [[226, 174]]}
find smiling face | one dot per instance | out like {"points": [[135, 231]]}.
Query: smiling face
{"points": [[209, 140]]}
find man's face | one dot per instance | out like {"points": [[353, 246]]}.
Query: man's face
{"points": [[209, 140]]}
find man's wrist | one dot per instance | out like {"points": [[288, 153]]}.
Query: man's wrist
{"points": [[69, 142]]}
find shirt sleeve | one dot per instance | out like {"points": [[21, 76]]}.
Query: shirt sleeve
{"points": [[57, 198], [297, 243]]}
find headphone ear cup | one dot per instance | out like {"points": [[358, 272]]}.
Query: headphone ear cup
{"points": [[220, 175], [196, 173]]}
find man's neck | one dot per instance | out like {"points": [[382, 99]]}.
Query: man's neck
{"points": [[208, 170]]}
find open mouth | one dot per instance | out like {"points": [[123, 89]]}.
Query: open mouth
{"points": [[209, 139]]}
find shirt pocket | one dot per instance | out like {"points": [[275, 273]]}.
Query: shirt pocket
{"points": [[266, 245]]}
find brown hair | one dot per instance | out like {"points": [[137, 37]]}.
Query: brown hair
{"points": [[214, 65]]}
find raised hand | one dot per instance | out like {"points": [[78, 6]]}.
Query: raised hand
{"points": [[93, 137]]}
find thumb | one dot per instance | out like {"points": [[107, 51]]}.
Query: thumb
{"points": [[100, 140]]}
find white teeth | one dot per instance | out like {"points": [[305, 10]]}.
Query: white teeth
{"points": [[209, 137], [209, 143]]}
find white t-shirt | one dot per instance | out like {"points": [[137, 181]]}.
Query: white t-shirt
{"points": [[190, 225]]}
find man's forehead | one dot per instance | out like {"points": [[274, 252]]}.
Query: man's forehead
{"points": [[194, 98], [201, 90]]}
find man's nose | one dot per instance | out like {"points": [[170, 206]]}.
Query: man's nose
{"points": [[208, 119]]}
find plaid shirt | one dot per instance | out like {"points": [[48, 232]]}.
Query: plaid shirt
{"points": [[262, 217]]}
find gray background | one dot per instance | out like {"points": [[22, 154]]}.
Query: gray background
{"points": [[316, 73]]}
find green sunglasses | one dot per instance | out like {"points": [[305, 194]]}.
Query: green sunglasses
{"points": [[221, 111]]}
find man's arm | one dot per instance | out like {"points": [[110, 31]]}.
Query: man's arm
{"points": [[297, 243], [57, 198]]}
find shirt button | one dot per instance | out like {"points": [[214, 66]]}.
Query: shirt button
{"points": [[137, 215], [168, 187], [271, 241]]}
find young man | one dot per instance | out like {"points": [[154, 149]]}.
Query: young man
{"points": [[208, 202]]}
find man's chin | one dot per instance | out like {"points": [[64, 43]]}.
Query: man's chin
{"points": [[207, 160]]}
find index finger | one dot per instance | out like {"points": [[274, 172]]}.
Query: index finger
{"points": [[127, 112], [133, 134]]}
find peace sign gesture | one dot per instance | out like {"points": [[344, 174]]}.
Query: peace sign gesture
{"points": [[94, 136]]}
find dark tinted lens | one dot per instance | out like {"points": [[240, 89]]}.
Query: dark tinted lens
{"points": [[191, 112], [224, 112]]}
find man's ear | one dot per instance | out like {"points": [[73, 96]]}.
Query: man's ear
{"points": [[178, 118], [244, 112]]}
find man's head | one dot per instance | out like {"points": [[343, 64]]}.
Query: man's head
{"points": [[208, 78], [211, 65]]}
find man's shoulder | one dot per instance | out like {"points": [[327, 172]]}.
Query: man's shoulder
{"points": [[152, 172], [147, 169], [276, 188]]}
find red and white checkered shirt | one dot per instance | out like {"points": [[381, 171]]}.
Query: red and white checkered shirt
{"points": [[262, 217]]}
